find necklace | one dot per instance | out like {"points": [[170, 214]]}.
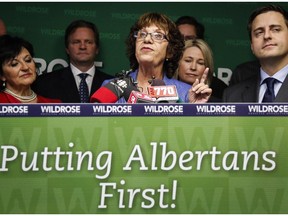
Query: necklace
{"points": [[24, 99]]}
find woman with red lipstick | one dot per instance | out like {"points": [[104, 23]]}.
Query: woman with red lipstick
{"points": [[154, 47], [18, 72]]}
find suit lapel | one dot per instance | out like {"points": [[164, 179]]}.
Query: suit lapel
{"points": [[98, 79], [282, 95], [69, 85], [251, 92]]}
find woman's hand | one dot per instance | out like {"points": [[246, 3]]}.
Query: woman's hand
{"points": [[200, 91]]}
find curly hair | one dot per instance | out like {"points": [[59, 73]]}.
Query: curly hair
{"points": [[175, 45]]}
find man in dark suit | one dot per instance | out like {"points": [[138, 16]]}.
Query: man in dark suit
{"points": [[268, 32], [82, 47]]}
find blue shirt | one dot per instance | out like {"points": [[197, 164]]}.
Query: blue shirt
{"points": [[182, 88]]}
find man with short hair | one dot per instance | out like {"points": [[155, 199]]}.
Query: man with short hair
{"points": [[190, 28], [268, 33], [68, 84]]}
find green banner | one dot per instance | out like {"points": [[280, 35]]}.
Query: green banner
{"points": [[144, 165]]}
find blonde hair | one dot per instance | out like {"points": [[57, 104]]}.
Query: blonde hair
{"points": [[207, 54]]}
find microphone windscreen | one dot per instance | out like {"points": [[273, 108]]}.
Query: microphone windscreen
{"points": [[139, 97], [104, 95], [114, 90], [128, 90]]}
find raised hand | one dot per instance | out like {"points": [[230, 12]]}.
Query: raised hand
{"points": [[200, 91]]}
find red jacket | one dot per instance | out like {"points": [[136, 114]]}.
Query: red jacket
{"points": [[6, 98]]}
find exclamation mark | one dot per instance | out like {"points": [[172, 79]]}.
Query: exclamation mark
{"points": [[174, 192]]}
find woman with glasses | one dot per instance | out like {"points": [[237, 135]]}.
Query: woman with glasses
{"points": [[154, 47]]}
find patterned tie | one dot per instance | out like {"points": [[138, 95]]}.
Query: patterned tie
{"points": [[83, 89], [269, 95]]}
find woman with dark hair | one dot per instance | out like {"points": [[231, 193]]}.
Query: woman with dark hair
{"points": [[154, 47], [18, 72]]}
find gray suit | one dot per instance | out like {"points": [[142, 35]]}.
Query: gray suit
{"points": [[248, 91]]}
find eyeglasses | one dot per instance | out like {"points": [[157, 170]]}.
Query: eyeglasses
{"points": [[156, 36]]}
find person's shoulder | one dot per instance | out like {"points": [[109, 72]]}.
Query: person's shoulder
{"points": [[244, 84], [3, 98], [42, 99], [54, 73], [105, 76], [218, 82], [244, 71], [249, 64], [246, 88]]}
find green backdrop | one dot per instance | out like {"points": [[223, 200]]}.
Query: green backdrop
{"points": [[44, 25], [205, 190]]}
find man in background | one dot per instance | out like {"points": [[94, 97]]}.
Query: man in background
{"points": [[77, 82], [268, 33], [190, 28]]}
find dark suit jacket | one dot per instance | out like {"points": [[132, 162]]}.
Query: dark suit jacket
{"points": [[218, 87], [244, 71], [61, 84], [248, 91]]}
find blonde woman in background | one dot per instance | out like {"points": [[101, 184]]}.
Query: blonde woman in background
{"points": [[198, 57]]}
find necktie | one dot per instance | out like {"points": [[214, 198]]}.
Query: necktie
{"points": [[269, 95], [83, 89]]}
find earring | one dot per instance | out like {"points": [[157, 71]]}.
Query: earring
{"points": [[167, 59]]}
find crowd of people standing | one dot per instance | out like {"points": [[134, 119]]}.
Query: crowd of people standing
{"points": [[157, 49]]}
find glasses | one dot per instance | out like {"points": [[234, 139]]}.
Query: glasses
{"points": [[156, 36]]}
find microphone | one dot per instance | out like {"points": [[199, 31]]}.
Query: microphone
{"points": [[139, 97], [113, 90], [163, 93], [135, 96]]}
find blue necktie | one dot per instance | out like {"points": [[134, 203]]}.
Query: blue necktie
{"points": [[83, 89], [269, 95]]}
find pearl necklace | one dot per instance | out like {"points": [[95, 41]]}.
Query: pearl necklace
{"points": [[24, 99]]}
